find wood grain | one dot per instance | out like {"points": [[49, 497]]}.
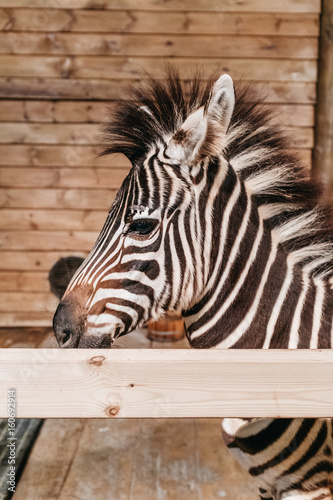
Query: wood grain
{"points": [[135, 21], [28, 302], [16, 318], [56, 111], [168, 383], [179, 458], [62, 198], [158, 45], [88, 133], [52, 219], [323, 151], [63, 177], [303, 6], [47, 133], [31, 338], [115, 68], [25, 281], [52, 456], [35, 260], [17, 110], [74, 88], [40, 155], [48, 240], [77, 155]]}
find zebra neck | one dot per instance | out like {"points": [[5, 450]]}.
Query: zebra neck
{"points": [[258, 297]]}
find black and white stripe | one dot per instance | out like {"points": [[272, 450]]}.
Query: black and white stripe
{"points": [[216, 220]]}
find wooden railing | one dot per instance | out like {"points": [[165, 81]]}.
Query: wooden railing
{"points": [[167, 383]]}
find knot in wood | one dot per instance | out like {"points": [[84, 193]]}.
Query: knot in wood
{"points": [[112, 410], [96, 360]]}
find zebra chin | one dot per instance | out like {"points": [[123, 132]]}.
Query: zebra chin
{"points": [[105, 328]]}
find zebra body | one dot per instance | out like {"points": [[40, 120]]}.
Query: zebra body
{"points": [[216, 220], [289, 458]]}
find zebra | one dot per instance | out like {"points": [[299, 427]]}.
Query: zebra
{"points": [[219, 221]]}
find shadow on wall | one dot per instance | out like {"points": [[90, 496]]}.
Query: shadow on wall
{"points": [[61, 273]]}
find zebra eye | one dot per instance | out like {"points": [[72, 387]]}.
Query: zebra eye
{"points": [[143, 226]]}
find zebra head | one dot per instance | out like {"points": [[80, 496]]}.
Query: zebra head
{"points": [[150, 255]]}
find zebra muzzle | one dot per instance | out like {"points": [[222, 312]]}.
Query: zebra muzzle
{"points": [[67, 327]]}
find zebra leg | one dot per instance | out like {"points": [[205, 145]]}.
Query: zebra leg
{"points": [[232, 428]]}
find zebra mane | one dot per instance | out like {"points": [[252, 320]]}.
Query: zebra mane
{"points": [[256, 147]]}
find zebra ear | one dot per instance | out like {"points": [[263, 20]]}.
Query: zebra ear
{"points": [[221, 102], [218, 111], [187, 141], [203, 132]]}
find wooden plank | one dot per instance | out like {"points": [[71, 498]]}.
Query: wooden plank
{"points": [[52, 111], [278, 92], [52, 220], [167, 462], [50, 133], [23, 337], [180, 458], [58, 156], [303, 6], [168, 383], [153, 45], [122, 68], [73, 156], [48, 240], [300, 137], [61, 198], [323, 152], [52, 456], [62, 88], [305, 156], [24, 281], [62, 177], [124, 21], [55, 111], [28, 302], [41, 319], [88, 133], [39, 260], [293, 115], [11, 110]]}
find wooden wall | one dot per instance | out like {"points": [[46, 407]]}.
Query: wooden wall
{"points": [[62, 60]]}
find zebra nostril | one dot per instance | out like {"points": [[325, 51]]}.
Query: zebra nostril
{"points": [[64, 337]]}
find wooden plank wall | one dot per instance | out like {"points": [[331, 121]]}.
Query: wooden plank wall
{"points": [[61, 61]]}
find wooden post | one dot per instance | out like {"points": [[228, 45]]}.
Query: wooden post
{"points": [[323, 151], [104, 383]]}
